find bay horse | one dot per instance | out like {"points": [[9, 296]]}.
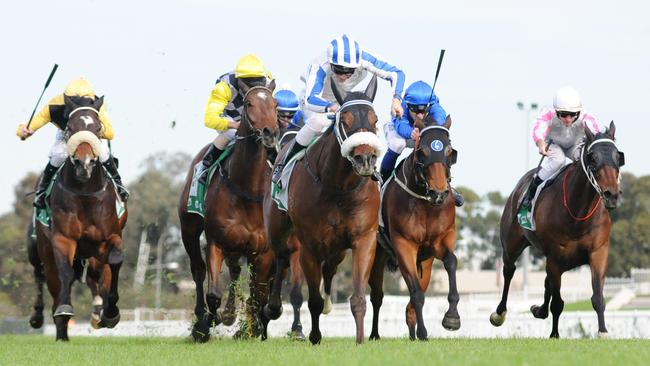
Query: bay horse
{"points": [[333, 206], [419, 217], [233, 214], [572, 226], [85, 220]]}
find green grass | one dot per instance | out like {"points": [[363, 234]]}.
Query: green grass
{"points": [[584, 305], [41, 350]]}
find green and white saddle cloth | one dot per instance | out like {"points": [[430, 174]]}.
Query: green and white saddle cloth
{"points": [[196, 198], [280, 191]]}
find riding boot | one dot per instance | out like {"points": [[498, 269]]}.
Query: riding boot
{"points": [[293, 150], [209, 158], [388, 164], [46, 178], [458, 198], [530, 193], [385, 174], [111, 168]]}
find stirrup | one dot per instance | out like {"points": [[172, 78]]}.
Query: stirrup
{"points": [[39, 200], [277, 173]]}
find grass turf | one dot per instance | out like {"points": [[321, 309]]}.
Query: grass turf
{"points": [[42, 350]]}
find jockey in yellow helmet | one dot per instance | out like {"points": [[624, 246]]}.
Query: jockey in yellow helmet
{"points": [[55, 112]]}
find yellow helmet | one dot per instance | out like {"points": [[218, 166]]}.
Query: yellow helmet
{"points": [[250, 66], [79, 87]]}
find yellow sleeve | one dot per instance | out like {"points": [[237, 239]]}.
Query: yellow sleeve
{"points": [[106, 123], [43, 116], [219, 99]]}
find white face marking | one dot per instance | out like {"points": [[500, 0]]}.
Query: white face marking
{"points": [[87, 120], [261, 95]]}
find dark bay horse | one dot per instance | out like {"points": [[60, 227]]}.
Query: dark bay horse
{"points": [[84, 219], [419, 217], [573, 226], [233, 215], [333, 206]]}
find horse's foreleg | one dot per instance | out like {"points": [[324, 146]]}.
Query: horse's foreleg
{"points": [[554, 275], [191, 241], [263, 265], [215, 257], [229, 313], [273, 308], [36, 319], [512, 245], [101, 279], [311, 267], [110, 314], [363, 257], [376, 282], [598, 264], [406, 252], [541, 312], [329, 270], [451, 320], [64, 251]]}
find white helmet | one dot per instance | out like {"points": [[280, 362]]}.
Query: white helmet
{"points": [[344, 51], [567, 99]]}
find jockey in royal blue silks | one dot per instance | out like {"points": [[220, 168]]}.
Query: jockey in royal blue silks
{"points": [[290, 116], [399, 130], [347, 65]]}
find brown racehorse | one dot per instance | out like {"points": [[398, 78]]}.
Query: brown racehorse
{"points": [[572, 226], [333, 206], [419, 217], [233, 214], [84, 219]]}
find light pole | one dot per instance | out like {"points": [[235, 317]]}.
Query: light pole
{"points": [[527, 109]]}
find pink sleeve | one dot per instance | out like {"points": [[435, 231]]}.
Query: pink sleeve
{"points": [[592, 124], [542, 126]]}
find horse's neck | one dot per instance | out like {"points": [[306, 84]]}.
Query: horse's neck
{"points": [[581, 196], [247, 160], [332, 168], [407, 173], [95, 183]]}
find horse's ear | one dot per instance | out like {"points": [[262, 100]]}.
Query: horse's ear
{"points": [[589, 134], [97, 104], [271, 85], [448, 122], [338, 94], [242, 86], [453, 157], [69, 102], [371, 89], [612, 129]]}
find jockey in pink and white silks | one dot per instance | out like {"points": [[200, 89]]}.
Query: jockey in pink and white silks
{"points": [[350, 65], [563, 127]]}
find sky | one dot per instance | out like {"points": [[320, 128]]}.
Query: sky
{"points": [[156, 62]]}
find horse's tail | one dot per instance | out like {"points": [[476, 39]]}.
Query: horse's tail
{"points": [[384, 241]]}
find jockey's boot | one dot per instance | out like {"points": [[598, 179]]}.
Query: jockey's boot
{"points": [[277, 172], [111, 168], [527, 202], [46, 178], [385, 174], [209, 158], [458, 198]]}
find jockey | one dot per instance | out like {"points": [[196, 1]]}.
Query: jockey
{"points": [[350, 65], [226, 104], [290, 116], [55, 112], [564, 129], [418, 97]]}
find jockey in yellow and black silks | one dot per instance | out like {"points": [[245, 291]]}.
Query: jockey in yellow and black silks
{"points": [[226, 104], [55, 113]]}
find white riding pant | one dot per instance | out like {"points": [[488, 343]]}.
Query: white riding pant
{"points": [[556, 159], [223, 138], [59, 151], [315, 124], [395, 142]]}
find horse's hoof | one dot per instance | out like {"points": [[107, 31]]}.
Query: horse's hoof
{"points": [[327, 306], [94, 320], [314, 337], [297, 335], [228, 318], [36, 320], [374, 337], [603, 335], [422, 334], [63, 310], [498, 320], [272, 313], [200, 332], [106, 322], [451, 323], [538, 312], [555, 335]]}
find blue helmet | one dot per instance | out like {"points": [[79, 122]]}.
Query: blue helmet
{"points": [[287, 100], [418, 93], [344, 51]]}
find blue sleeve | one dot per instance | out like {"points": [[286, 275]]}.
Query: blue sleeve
{"points": [[403, 127], [315, 84], [387, 71], [298, 119]]}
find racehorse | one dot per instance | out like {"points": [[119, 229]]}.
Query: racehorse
{"points": [[419, 220], [85, 220], [572, 226], [332, 207], [233, 214]]}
